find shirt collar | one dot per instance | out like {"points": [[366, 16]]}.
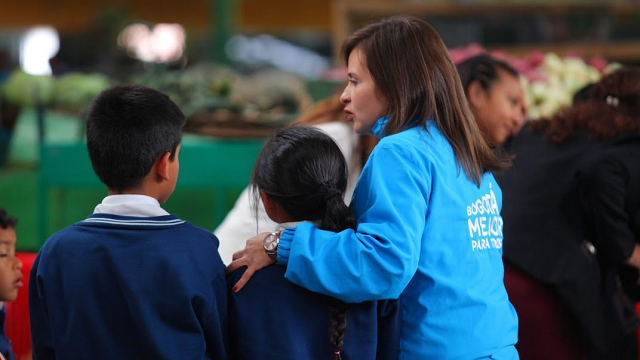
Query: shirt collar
{"points": [[378, 128], [293, 224], [130, 205]]}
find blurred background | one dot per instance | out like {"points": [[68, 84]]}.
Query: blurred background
{"points": [[240, 69]]}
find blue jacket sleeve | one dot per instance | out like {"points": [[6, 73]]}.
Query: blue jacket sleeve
{"points": [[41, 338], [379, 259]]}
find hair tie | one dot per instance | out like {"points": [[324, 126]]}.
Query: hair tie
{"points": [[328, 190], [613, 101]]}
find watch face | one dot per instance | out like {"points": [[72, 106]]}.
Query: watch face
{"points": [[270, 242]]}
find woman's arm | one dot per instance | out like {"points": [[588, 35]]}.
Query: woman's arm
{"points": [[602, 187]]}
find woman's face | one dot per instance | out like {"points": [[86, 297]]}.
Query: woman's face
{"points": [[500, 110], [363, 105]]}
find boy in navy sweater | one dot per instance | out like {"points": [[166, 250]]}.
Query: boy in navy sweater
{"points": [[131, 281]]}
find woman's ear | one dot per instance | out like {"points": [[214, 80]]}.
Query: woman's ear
{"points": [[476, 95]]}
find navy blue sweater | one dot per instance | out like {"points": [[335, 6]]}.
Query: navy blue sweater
{"points": [[5, 343], [274, 319], [121, 287]]}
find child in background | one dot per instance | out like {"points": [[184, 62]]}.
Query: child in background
{"points": [[131, 281], [301, 175], [10, 276]]}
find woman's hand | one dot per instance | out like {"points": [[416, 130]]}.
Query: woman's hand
{"points": [[253, 256]]}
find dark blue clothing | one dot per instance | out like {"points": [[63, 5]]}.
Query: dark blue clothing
{"points": [[5, 343], [123, 287], [274, 319]]}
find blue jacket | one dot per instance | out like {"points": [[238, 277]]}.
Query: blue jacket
{"points": [[123, 287], [273, 319], [424, 231]]}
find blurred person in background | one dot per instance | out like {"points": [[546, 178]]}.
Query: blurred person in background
{"points": [[566, 234], [495, 95], [8, 112]]}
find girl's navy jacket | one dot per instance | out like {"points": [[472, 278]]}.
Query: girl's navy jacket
{"points": [[271, 318]]}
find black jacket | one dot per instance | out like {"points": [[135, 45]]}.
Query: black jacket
{"points": [[547, 225]]}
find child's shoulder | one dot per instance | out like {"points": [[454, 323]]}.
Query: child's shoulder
{"points": [[101, 228]]}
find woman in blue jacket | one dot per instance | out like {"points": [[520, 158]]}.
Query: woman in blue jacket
{"points": [[426, 205]]}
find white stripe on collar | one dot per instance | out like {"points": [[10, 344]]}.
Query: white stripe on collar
{"points": [[130, 205]]}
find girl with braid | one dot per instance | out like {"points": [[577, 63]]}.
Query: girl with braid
{"points": [[301, 176]]}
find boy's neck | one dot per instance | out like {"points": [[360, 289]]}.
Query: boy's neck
{"points": [[137, 191]]}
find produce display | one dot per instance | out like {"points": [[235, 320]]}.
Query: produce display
{"points": [[74, 91], [216, 99], [27, 90], [549, 80], [219, 101], [70, 92]]}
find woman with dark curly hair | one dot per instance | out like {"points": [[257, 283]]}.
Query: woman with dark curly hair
{"points": [[568, 203]]}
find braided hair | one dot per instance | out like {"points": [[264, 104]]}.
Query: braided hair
{"points": [[303, 169], [7, 221]]}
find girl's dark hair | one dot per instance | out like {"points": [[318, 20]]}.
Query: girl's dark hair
{"points": [[412, 70], [304, 170], [483, 69], [611, 108], [7, 221]]}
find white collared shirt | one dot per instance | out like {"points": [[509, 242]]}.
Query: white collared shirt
{"points": [[130, 205]]}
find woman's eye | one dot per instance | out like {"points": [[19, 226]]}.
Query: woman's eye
{"points": [[2, 255]]}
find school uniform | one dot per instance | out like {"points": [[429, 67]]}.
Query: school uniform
{"points": [[131, 282]]}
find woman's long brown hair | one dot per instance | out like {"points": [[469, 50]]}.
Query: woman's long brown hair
{"points": [[412, 70]]}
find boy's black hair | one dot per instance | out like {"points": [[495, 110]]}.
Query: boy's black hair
{"points": [[483, 69], [7, 221], [304, 170], [128, 128]]}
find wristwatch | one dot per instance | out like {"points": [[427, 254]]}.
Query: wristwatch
{"points": [[270, 244]]}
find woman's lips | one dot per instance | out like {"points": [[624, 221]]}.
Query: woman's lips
{"points": [[349, 116]]}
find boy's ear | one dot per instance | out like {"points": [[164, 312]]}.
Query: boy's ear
{"points": [[162, 166]]}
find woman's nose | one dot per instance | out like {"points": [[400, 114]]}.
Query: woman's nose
{"points": [[344, 97]]}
